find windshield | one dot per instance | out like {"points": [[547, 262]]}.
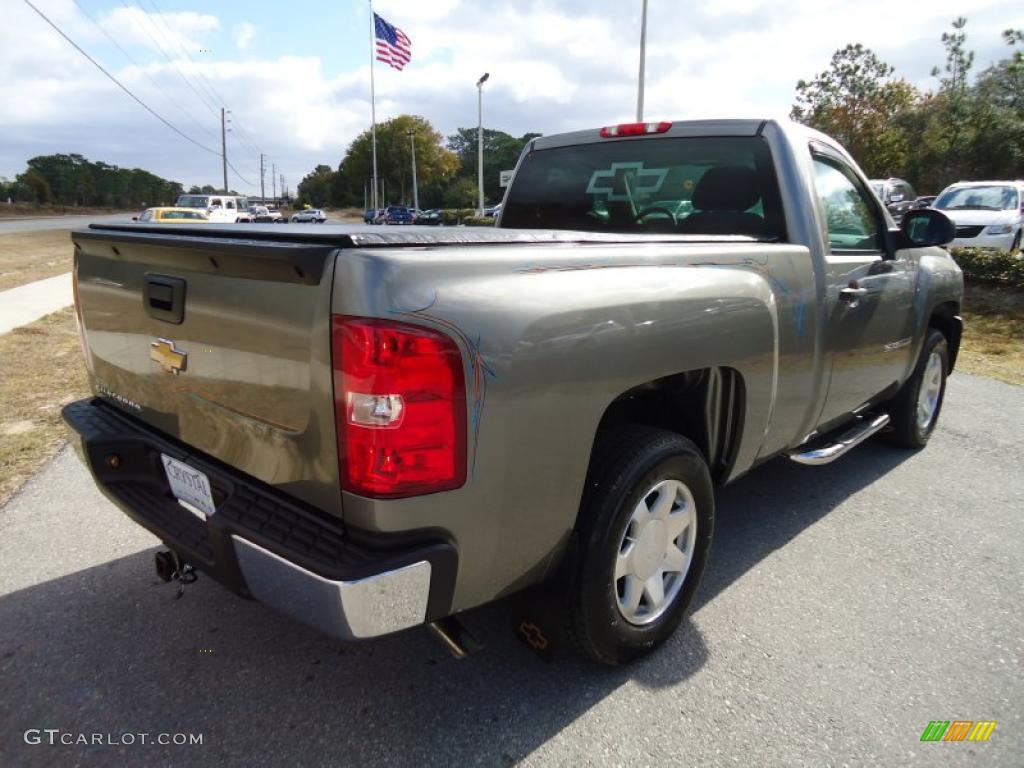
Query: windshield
{"points": [[193, 201], [181, 215], [706, 185], [993, 198]]}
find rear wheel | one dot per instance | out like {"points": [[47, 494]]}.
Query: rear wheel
{"points": [[645, 529], [915, 410]]}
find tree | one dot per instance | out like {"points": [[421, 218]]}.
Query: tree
{"points": [[501, 153], [434, 163], [32, 187], [460, 194], [315, 188], [858, 102]]}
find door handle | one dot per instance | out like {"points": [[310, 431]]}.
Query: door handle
{"points": [[852, 294]]}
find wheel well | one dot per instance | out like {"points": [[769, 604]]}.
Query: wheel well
{"points": [[945, 318], [705, 405]]}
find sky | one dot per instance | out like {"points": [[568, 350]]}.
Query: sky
{"points": [[296, 76]]}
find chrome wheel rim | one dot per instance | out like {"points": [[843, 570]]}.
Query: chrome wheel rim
{"points": [[928, 394], [655, 552]]}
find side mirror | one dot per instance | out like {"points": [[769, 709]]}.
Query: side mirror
{"points": [[926, 226]]}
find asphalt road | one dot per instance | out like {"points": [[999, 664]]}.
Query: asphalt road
{"points": [[58, 222], [845, 607]]}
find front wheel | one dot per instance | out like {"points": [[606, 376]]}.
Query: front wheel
{"points": [[645, 529], [915, 409]]}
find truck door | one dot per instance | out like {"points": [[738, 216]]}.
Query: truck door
{"points": [[869, 296]]}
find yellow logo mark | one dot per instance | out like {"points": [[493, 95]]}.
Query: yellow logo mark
{"points": [[172, 360], [982, 730]]}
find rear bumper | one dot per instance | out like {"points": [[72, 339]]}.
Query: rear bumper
{"points": [[263, 544]]}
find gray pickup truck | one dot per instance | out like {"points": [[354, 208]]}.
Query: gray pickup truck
{"points": [[372, 430]]}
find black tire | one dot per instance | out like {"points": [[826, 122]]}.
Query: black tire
{"points": [[906, 431], [626, 464], [1016, 242]]}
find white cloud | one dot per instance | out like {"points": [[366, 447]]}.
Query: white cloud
{"points": [[243, 34], [173, 33]]}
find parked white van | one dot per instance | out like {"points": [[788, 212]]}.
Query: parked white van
{"points": [[222, 209], [987, 214]]}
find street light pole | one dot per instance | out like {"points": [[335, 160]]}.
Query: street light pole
{"points": [[643, 56], [480, 139], [415, 190]]}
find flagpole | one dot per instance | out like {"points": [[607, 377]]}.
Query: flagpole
{"points": [[373, 105], [643, 57]]}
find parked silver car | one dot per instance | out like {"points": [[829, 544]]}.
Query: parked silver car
{"points": [[314, 215]]}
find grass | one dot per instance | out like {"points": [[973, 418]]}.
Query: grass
{"points": [[29, 256], [31, 429], [15, 210], [993, 343]]}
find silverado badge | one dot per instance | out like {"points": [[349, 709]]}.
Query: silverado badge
{"points": [[171, 360]]}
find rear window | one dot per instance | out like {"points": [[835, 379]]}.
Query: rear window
{"points": [[687, 186], [193, 201]]}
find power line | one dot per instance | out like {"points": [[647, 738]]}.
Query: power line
{"points": [[244, 137], [131, 13], [118, 82], [158, 16], [240, 176], [153, 82]]}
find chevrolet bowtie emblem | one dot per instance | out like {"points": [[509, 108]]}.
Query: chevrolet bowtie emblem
{"points": [[171, 360]]}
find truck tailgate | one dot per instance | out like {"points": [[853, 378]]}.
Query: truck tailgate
{"points": [[220, 342]]}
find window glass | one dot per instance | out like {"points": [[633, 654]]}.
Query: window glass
{"points": [[990, 198], [851, 219], [687, 186], [146, 216], [193, 201], [230, 203]]}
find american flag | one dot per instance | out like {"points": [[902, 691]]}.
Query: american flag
{"points": [[393, 47]]}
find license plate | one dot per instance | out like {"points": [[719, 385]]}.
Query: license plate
{"points": [[189, 485]]}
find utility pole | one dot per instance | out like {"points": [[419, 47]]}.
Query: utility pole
{"points": [[415, 191], [643, 56], [480, 139], [273, 181], [263, 192], [224, 150]]}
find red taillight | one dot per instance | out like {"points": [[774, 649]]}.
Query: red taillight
{"points": [[633, 129], [400, 406]]}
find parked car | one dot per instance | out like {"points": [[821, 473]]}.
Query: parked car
{"points": [[223, 209], [494, 210], [310, 215], [161, 215], [897, 195], [276, 217], [397, 214], [431, 217], [987, 214], [410, 434], [370, 216]]}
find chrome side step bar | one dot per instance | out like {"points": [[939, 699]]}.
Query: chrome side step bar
{"points": [[851, 438]]}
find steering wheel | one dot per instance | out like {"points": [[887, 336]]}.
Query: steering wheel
{"points": [[655, 209]]}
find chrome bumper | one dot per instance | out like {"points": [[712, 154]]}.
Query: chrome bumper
{"points": [[348, 610]]}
